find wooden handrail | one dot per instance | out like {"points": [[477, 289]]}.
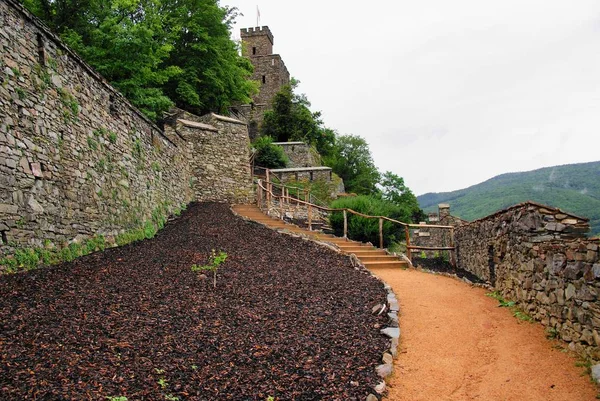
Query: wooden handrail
{"points": [[345, 211]]}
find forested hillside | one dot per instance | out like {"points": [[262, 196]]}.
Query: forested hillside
{"points": [[573, 188]]}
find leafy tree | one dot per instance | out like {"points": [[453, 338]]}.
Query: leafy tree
{"points": [[214, 75], [269, 155], [290, 119], [156, 52], [363, 229], [351, 159], [394, 190]]}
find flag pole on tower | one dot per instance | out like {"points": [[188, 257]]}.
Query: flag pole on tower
{"points": [[257, 16]]}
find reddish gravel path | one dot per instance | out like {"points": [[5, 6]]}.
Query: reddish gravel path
{"points": [[457, 344]]}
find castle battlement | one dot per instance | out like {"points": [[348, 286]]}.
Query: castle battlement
{"points": [[257, 31]]}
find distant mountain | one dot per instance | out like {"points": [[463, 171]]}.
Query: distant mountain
{"points": [[574, 188]]}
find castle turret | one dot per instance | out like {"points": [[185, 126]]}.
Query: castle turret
{"points": [[269, 70], [257, 41]]}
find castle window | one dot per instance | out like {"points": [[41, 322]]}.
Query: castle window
{"points": [[112, 105], [254, 50], [41, 51], [264, 79]]}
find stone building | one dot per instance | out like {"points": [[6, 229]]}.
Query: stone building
{"points": [[269, 70]]}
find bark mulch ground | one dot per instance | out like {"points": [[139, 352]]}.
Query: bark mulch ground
{"points": [[288, 319]]}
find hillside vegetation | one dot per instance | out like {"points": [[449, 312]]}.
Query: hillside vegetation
{"points": [[574, 188]]}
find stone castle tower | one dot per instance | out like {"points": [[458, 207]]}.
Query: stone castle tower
{"points": [[269, 70]]}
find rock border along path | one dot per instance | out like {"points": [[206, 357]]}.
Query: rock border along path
{"points": [[457, 344]]}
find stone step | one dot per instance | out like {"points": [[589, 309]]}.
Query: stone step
{"points": [[372, 252], [371, 257], [377, 258], [355, 248], [385, 265]]}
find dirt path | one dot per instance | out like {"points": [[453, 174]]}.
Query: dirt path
{"points": [[457, 344]]}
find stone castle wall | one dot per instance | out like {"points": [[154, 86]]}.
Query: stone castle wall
{"points": [[300, 154], [539, 257], [76, 159], [220, 157]]}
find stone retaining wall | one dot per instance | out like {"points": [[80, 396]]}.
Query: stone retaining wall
{"points": [[300, 154], [539, 257], [76, 159]]}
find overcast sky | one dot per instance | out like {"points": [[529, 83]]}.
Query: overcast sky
{"points": [[447, 93]]}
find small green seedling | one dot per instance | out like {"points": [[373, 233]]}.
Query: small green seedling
{"points": [[214, 261], [121, 398]]}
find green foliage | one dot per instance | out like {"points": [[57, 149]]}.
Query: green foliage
{"points": [[551, 333], [21, 93], [214, 261], [269, 155], [351, 159], [70, 104], [574, 188], [117, 398], [319, 189], [31, 258], [92, 144], [290, 119], [213, 74], [367, 230], [138, 150], [519, 314], [157, 53], [112, 137], [394, 190]]}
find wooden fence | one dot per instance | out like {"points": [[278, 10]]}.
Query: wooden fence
{"points": [[266, 196]]}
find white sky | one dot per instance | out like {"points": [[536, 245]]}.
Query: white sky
{"points": [[447, 93]]}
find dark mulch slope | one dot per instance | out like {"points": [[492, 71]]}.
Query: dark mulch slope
{"points": [[288, 319]]}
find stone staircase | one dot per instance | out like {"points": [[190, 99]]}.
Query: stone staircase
{"points": [[373, 258]]}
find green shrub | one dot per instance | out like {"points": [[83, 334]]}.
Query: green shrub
{"points": [[269, 155], [367, 230]]}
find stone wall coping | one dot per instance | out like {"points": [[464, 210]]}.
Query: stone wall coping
{"points": [[529, 203], [89, 69], [193, 124], [226, 119], [299, 169], [288, 143]]}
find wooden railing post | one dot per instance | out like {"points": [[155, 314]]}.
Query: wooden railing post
{"points": [[309, 217], [380, 233], [407, 233], [453, 257], [268, 190], [259, 193], [345, 224]]}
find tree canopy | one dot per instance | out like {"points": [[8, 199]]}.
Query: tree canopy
{"points": [[291, 119], [351, 159], [156, 52]]}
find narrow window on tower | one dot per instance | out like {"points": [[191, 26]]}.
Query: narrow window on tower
{"points": [[264, 79], [253, 50]]}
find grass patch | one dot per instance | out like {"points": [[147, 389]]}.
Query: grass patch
{"points": [[502, 303]]}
